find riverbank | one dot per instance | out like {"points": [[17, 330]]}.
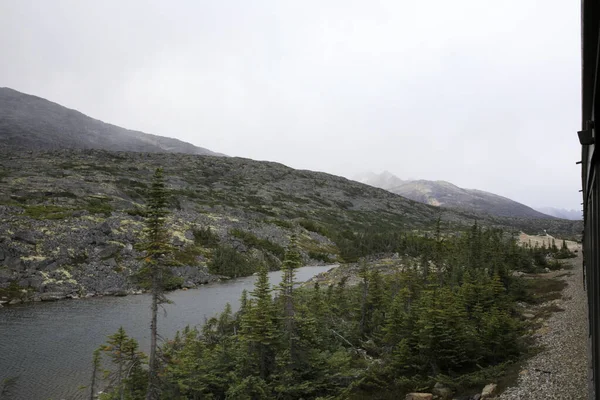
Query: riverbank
{"points": [[48, 346], [18, 295], [201, 278]]}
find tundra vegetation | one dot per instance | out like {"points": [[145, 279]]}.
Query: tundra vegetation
{"points": [[447, 313]]}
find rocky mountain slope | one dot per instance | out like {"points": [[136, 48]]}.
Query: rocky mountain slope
{"points": [[442, 193], [70, 220], [32, 123], [561, 213], [446, 194]]}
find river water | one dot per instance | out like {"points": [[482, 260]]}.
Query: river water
{"points": [[48, 346]]}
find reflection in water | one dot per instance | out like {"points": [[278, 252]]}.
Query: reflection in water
{"points": [[48, 346]]}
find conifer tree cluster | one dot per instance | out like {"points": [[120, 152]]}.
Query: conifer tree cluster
{"points": [[449, 314]]}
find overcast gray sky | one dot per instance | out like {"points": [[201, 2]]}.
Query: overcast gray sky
{"points": [[484, 94]]}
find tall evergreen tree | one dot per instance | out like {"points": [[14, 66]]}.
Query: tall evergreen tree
{"points": [[154, 272], [291, 262], [258, 326], [127, 378]]}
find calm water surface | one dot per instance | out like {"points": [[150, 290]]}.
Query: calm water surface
{"points": [[48, 346]]}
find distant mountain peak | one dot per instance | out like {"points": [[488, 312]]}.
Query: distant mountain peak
{"points": [[29, 122], [384, 180], [563, 213], [446, 194]]}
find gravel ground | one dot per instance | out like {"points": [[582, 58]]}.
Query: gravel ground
{"points": [[560, 370]]}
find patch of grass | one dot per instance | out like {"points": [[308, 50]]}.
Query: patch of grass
{"points": [[68, 195], [10, 203], [541, 290], [281, 223], [68, 165], [3, 174], [47, 212], [313, 227], [97, 205], [137, 212]]}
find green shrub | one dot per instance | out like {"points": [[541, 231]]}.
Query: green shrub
{"points": [[188, 255], [229, 262], [319, 256], [173, 282], [313, 227], [137, 212], [99, 206], [555, 265], [205, 237], [262, 244]]}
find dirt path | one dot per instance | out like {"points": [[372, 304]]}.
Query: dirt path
{"points": [[560, 370]]}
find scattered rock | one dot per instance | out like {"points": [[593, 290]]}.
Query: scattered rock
{"points": [[488, 391], [52, 266], [15, 301], [105, 228], [111, 262], [52, 296], [116, 292], [441, 391], [528, 316], [560, 370], [28, 237], [419, 396], [518, 274], [14, 263], [109, 251], [5, 274], [78, 213], [177, 241]]}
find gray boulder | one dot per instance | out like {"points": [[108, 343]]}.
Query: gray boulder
{"points": [[28, 237], [105, 228], [52, 296], [488, 391], [109, 251], [441, 391]]}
